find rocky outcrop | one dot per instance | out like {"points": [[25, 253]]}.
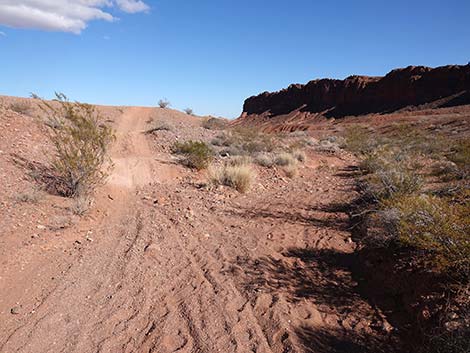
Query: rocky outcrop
{"points": [[358, 95]]}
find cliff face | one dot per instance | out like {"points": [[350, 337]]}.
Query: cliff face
{"points": [[357, 95]]}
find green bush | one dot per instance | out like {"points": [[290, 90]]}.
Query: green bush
{"points": [[197, 154], [438, 226], [81, 141]]}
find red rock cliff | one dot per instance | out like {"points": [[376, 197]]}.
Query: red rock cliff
{"points": [[357, 95]]}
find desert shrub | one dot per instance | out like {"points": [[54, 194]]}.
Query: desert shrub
{"points": [[445, 170], [80, 205], [189, 111], [232, 150], [159, 126], [237, 177], [291, 170], [299, 155], [21, 107], [265, 160], [393, 180], [214, 124], [197, 154], [240, 161], [81, 143], [164, 103], [359, 140], [460, 155], [252, 141], [439, 226], [390, 173], [32, 195], [382, 227], [285, 159]]}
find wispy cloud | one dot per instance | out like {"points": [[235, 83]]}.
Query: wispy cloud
{"points": [[3, 34], [62, 15]]}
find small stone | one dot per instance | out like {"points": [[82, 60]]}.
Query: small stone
{"points": [[15, 310], [40, 226]]}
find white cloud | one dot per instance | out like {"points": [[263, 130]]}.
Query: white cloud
{"points": [[3, 34], [132, 6], [62, 15]]}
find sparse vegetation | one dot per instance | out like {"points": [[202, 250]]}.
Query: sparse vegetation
{"points": [[159, 126], [32, 195], [80, 205], [265, 160], [239, 177], [403, 206], [285, 159], [214, 124], [164, 103], [291, 170], [81, 143], [197, 154], [189, 111], [299, 155], [240, 160], [21, 107]]}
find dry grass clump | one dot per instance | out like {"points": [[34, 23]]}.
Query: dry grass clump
{"points": [[32, 195], [197, 154], [164, 103], [265, 160], [240, 160], [215, 124], [291, 170], [81, 141], [299, 156], [81, 205], [21, 107], [284, 159], [189, 111], [239, 177]]}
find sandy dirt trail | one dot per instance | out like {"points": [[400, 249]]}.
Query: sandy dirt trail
{"points": [[177, 268]]}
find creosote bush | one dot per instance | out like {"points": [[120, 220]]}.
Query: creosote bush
{"points": [[81, 141], [439, 226], [197, 154], [164, 103]]}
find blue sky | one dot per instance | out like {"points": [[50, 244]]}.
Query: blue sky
{"points": [[210, 55]]}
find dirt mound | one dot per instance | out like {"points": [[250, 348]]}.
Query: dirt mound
{"points": [[415, 86]]}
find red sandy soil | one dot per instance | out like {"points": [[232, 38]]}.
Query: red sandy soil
{"points": [[162, 264]]}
